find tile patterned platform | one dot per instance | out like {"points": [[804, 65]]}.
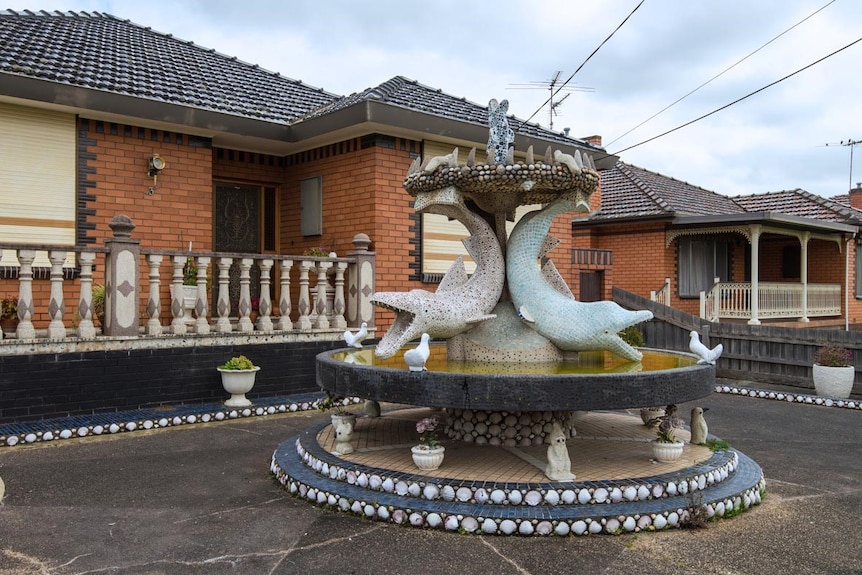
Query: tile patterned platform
{"points": [[496, 490]]}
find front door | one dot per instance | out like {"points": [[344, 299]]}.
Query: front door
{"points": [[238, 229], [591, 286]]}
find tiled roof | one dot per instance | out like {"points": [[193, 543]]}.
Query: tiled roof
{"points": [[411, 95], [102, 52], [802, 204], [632, 192]]}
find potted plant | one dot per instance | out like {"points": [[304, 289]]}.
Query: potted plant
{"points": [[339, 413], [8, 312], [237, 378], [666, 447], [189, 289], [98, 301], [428, 455], [833, 371]]}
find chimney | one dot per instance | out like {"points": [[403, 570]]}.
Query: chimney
{"points": [[594, 140], [566, 131], [856, 196]]}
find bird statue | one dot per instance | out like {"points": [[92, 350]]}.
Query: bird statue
{"points": [[356, 339], [417, 356], [699, 430], [705, 354]]}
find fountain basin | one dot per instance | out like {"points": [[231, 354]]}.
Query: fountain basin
{"points": [[598, 380]]}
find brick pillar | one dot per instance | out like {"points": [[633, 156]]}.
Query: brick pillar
{"points": [[121, 274]]}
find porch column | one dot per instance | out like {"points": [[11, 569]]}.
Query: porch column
{"points": [[803, 273], [755, 265]]}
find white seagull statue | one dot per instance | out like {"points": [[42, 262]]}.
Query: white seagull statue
{"points": [[705, 354], [355, 340], [416, 357]]}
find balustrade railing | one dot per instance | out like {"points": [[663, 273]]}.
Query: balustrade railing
{"points": [[661, 295], [732, 300], [291, 293]]}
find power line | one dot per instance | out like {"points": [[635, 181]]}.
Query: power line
{"points": [[738, 99], [584, 62], [719, 74]]}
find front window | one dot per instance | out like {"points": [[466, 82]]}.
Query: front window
{"points": [[700, 262]]}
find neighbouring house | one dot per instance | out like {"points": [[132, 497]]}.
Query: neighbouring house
{"points": [[788, 256], [207, 153]]}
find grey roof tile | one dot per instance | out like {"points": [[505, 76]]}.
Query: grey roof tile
{"points": [[102, 52], [411, 95], [800, 203], [631, 192]]}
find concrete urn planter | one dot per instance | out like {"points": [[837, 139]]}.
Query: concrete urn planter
{"points": [[238, 382], [428, 459], [665, 452], [833, 381]]}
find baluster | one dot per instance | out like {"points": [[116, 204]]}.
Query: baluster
{"points": [[303, 323], [56, 307], [178, 324], [25, 294], [264, 304], [202, 303], [154, 304], [86, 329], [338, 308], [223, 306], [322, 322], [284, 322], [244, 324]]}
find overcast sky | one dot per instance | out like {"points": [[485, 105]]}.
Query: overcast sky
{"points": [[479, 50]]}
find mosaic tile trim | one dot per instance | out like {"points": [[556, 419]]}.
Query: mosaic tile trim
{"points": [[718, 468], [31, 432], [790, 397], [743, 491]]}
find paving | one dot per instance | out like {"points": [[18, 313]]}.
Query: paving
{"points": [[201, 499]]}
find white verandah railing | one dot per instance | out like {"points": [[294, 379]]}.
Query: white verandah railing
{"points": [[662, 295], [732, 300], [136, 291]]}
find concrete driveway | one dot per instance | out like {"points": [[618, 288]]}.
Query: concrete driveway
{"points": [[201, 499]]}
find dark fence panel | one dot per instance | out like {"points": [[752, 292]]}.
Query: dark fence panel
{"points": [[770, 354]]}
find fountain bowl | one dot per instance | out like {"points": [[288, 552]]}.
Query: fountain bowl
{"points": [[595, 381]]}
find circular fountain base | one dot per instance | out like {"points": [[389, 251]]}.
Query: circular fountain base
{"points": [[481, 489]]}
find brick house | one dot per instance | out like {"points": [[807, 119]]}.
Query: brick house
{"points": [[254, 162], [788, 256]]}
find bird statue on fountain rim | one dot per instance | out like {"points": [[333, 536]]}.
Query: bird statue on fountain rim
{"points": [[355, 340], [706, 355], [416, 357]]}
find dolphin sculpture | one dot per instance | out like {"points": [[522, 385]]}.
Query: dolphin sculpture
{"points": [[460, 302], [568, 324]]}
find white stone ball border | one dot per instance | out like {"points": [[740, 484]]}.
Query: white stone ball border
{"points": [[154, 423], [480, 524], [788, 396]]}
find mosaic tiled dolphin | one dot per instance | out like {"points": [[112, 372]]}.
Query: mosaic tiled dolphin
{"points": [[569, 324], [460, 301]]}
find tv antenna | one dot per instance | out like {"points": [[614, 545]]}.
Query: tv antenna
{"points": [[851, 144], [552, 85]]}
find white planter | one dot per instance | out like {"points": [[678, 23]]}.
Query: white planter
{"points": [[427, 459], [337, 418], [190, 300], [833, 381], [667, 452], [238, 382]]}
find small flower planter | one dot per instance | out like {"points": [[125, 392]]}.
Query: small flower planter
{"points": [[238, 382], [428, 459], [665, 452]]}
